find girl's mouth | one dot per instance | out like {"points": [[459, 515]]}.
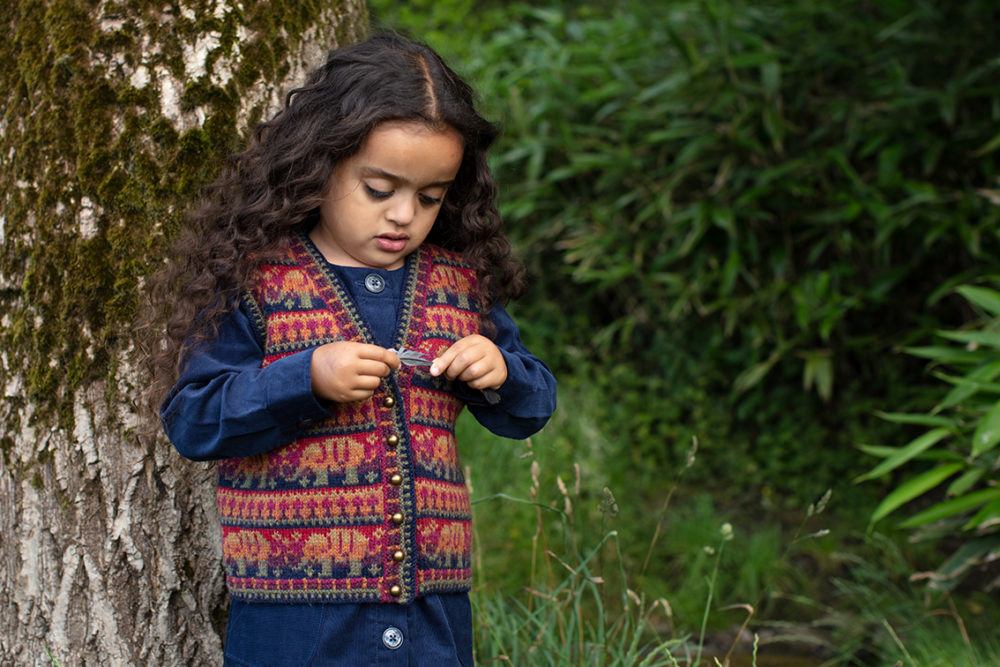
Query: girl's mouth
{"points": [[391, 242]]}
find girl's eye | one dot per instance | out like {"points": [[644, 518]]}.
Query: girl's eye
{"points": [[377, 194], [427, 200]]}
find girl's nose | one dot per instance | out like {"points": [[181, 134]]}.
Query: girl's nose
{"points": [[403, 211]]}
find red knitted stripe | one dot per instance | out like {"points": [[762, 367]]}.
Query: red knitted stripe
{"points": [[296, 328], [316, 461], [430, 406], [451, 279], [432, 580], [448, 323], [434, 450], [437, 498], [326, 505]]}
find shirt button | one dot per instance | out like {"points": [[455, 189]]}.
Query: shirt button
{"points": [[389, 401], [392, 440], [397, 518], [374, 283], [398, 555], [396, 479], [392, 638], [395, 592]]}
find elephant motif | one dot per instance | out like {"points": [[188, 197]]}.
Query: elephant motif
{"points": [[343, 453], [451, 544], [248, 472], [244, 547], [345, 545]]}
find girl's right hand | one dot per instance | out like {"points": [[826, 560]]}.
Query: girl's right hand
{"points": [[348, 372]]}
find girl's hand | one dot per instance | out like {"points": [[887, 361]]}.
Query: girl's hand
{"points": [[475, 360], [348, 372]]}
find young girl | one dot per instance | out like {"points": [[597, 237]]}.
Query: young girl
{"points": [[336, 303]]}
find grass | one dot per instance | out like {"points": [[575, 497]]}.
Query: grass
{"points": [[579, 560], [572, 611], [570, 572]]}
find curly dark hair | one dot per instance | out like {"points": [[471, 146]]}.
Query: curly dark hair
{"points": [[274, 188]]}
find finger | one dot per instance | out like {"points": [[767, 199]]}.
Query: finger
{"points": [[369, 351], [490, 370], [446, 359], [442, 361], [450, 364], [475, 374], [491, 380], [474, 369], [356, 395], [371, 368], [469, 365], [379, 354]]}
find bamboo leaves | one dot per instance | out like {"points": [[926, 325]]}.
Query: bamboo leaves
{"points": [[987, 434], [962, 440], [914, 487]]}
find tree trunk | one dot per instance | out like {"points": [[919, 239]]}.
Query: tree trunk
{"points": [[116, 113]]}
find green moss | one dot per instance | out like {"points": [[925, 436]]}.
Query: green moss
{"points": [[200, 92], [6, 447], [70, 25], [37, 482], [64, 499], [66, 415], [77, 128]]}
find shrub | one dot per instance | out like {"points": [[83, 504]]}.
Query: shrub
{"points": [[740, 204], [960, 449]]}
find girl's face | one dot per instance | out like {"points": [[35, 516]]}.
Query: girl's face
{"points": [[381, 203]]}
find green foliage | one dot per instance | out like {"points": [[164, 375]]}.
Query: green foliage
{"points": [[745, 168], [739, 203], [880, 616], [960, 447], [733, 215]]}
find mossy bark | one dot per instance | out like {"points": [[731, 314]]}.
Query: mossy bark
{"points": [[116, 113]]}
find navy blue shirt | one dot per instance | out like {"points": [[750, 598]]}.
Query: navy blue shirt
{"points": [[225, 405]]}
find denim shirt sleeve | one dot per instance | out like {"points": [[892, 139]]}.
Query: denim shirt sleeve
{"points": [[225, 405], [527, 397]]}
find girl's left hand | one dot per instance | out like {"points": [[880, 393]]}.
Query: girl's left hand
{"points": [[474, 360]]}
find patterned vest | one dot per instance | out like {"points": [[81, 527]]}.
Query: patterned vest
{"points": [[369, 504]]}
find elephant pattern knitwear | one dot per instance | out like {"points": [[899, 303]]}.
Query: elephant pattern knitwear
{"points": [[368, 504]]}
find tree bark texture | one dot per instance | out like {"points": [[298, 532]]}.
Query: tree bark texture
{"points": [[116, 113]]}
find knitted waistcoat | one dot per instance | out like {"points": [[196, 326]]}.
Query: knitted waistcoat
{"points": [[368, 504]]}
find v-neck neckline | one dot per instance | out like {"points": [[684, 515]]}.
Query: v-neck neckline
{"points": [[331, 285]]}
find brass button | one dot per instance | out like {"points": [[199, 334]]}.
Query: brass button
{"points": [[398, 555], [395, 591], [397, 518], [396, 479], [389, 401], [392, 440]]}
